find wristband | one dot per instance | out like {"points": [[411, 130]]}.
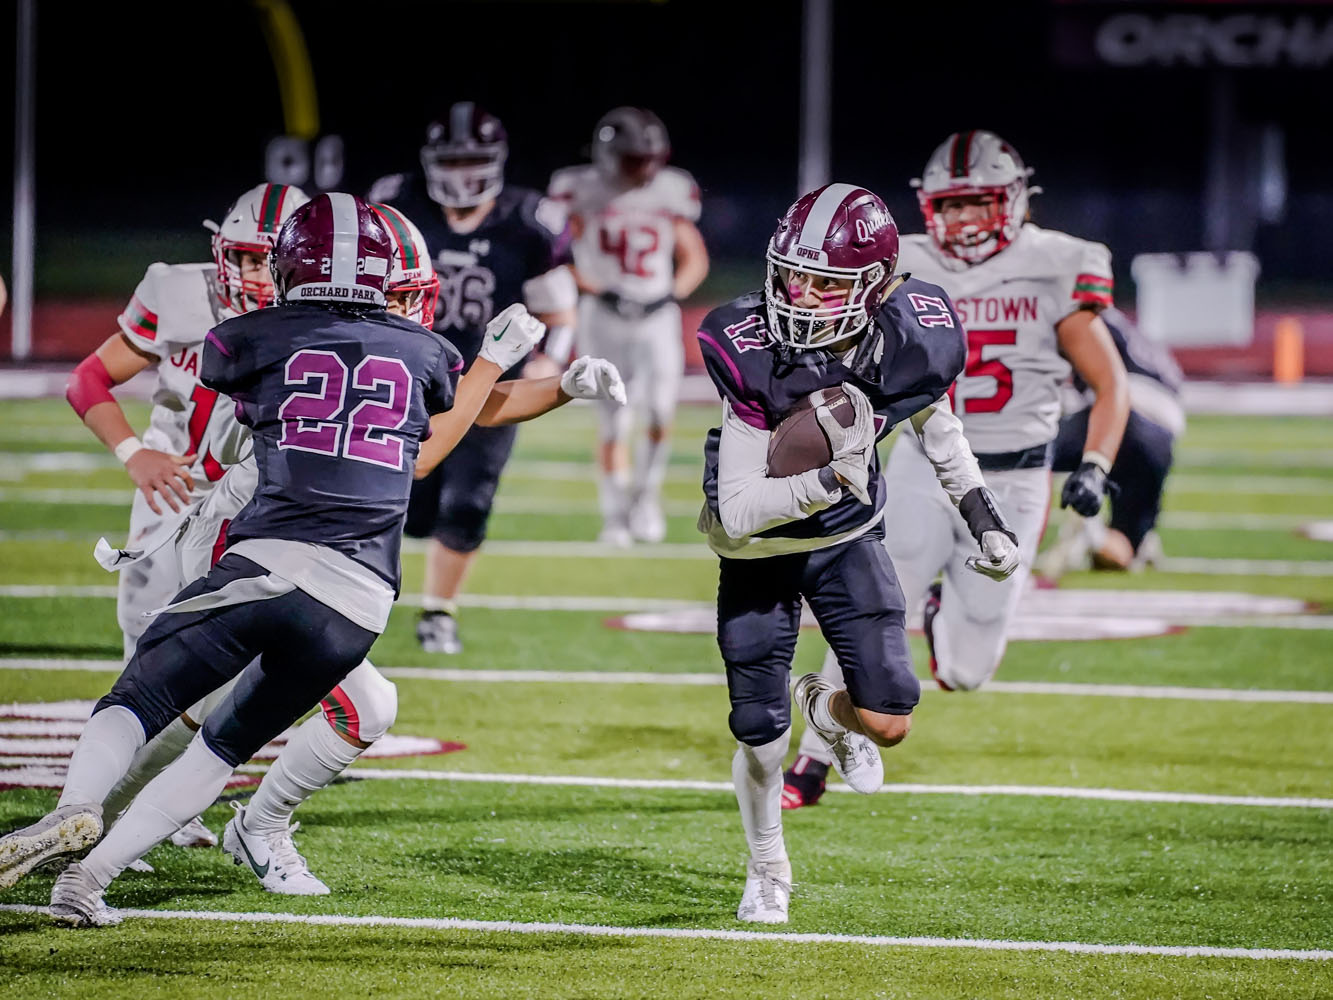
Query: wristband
{"points": [[127, 448], [1099, 460], [981, 513]]}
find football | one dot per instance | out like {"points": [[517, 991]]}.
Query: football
{"points": [[798, 444]]}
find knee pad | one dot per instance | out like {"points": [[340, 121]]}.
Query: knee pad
{"points": [[756, 723], [363, 706], [462, 526]]}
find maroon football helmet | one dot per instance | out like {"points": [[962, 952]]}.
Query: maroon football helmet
{"points": [[840, 243], [630, 145], [332, 249], [464, 156]]}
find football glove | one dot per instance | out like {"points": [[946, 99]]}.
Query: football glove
{"points": [[593, 378], [852, 446], [1084, 489], [510, 336], [999, 556]]}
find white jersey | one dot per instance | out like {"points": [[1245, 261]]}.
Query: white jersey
{"points": [[171, 312], [1009, 393], [627, 241]]}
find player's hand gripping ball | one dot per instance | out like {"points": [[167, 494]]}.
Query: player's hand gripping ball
{"points": [[833, 426]]}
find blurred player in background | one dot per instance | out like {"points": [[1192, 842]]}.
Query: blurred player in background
{"points": [[832, 315], [1138, 475], [637, 253], [491, 244], [1029, 300], [178, 461]]}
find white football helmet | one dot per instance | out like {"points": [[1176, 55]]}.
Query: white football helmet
{"points": [[630, 145], [251, 225], [411, 271], [968, 164]]}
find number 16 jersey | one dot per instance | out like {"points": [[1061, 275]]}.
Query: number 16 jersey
{"points": [[1010, 304]]}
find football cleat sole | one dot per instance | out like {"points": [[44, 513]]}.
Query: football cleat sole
{"points": [[64, 831]]}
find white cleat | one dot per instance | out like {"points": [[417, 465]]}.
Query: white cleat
{"points": [[437, 632], [194, 834], [646, 522], [855, 756], [272, 857], [65, 831], [616, 535], [767, 892], [77, 900]]}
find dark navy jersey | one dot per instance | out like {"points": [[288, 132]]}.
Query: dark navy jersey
{"points": [[338, 404], [1141, 355], [907, 360], [483, 271]]}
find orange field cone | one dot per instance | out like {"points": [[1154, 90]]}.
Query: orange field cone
{"points": [[1288, 350]]}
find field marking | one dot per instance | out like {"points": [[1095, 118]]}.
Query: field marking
{"points": [[708, 934], [1246, 567], [718, 679], [1229, 483]]}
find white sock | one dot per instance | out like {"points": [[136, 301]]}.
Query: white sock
{"points": [[650, 466], [821, 713], [148, 763], [811, 745], [757, 774], [176, 796], [313, 758], [613, 495], [429, 602], [106, 748]]}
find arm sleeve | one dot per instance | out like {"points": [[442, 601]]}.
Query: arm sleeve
{"points": [[443, 381], [748, 499], [1093, 282], [138, 322], [941, 437]]}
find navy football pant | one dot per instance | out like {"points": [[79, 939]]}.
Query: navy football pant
{"points": [[453, 504], [855, 597], [1139, 470], [305, 648]]}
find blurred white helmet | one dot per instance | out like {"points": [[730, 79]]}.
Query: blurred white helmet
{"points": [[630, 145], [413, 285], [251, 226], [970, 164]]}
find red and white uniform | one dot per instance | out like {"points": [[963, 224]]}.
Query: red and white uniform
{"points": [[172, 310], [1008, 399], [626, 246]]}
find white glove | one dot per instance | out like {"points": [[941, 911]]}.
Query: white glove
{"points": [[999, 556], [593, 378], [510, 336], [852, 446]]}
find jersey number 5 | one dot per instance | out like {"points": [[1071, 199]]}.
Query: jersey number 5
{"points": [[976, 367], [311, 420]]}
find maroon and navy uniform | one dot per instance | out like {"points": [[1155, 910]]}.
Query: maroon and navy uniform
{"points": [[480, 273], [833, 558], [338, 403]]}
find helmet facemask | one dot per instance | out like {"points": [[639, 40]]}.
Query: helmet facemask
{"points": [[981, 235], [415, 300], [844, 293], [464, 178], [242, 287]]}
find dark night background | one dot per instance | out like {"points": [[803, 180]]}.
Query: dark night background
{"points": [[152, 116]]}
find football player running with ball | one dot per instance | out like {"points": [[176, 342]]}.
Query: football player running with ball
{"points": [[492, 243], [1028, 299], [833, 317], [339, 394], [637, 252]]}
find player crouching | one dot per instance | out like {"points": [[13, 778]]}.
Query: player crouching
{"points": [[834, 320]]}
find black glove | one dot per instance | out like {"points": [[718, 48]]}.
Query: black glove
{"points": [[1085, 489]]}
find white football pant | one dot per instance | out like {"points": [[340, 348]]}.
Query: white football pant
{"points": [[649, 356]]}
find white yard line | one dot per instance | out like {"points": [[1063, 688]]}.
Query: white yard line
{"points": [[706, 934], [1230, 483], [1246, 567], [717, 679], [1024, 791]]}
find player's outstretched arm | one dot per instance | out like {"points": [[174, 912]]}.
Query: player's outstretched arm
{"points": [[1088, 345], [526, 398], [507, 340], [158, 474]]}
